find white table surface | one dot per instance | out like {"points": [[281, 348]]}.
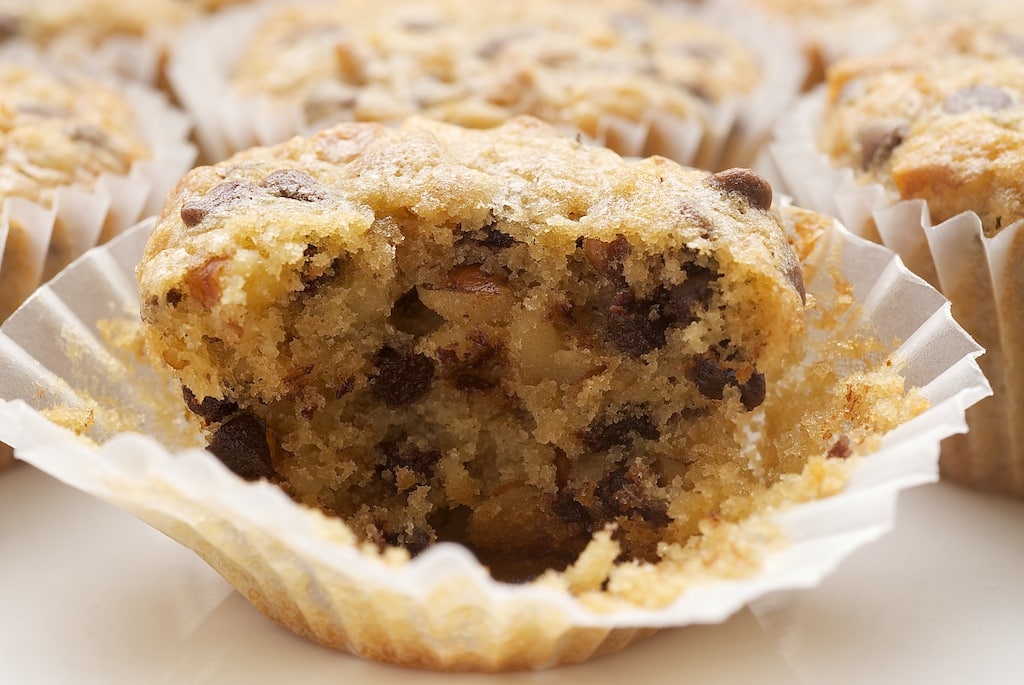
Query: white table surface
{"points": [[90, 595]]}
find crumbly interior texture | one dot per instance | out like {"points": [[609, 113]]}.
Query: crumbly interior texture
{"points": [[501, 338], [939, 117], [55, 131], [575, 64]]}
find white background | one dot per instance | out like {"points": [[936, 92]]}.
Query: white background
{"points": [[90, 595]]}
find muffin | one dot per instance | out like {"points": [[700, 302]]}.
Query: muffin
{"points": [[929, 135], [79, 165], [439, 328], [638, 77], [127, 37], [469, 293]]}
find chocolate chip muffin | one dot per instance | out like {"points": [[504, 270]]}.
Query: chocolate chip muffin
{"points": [[503, 338], [613, 70], [937, 118], [58, 131]]}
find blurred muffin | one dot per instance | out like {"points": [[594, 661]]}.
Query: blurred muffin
{"points": [[626, 73], [127, 37], [933, 130]]}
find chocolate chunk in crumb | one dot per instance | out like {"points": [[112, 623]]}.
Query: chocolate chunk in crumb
{"points": [[745, 183], [241, 444], [195, 209], [632, 422], [841, 448], [294, 185], [498, 240], [624, 492], [752, 392], [680, 303], [211, 409], [979, 96], [402, 377], [711, 379], [405, 455], [632, 325]]}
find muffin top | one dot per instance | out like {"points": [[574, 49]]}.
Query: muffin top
{"points": [[42, 21], [476, 64], [61, 130], [939, 118]]}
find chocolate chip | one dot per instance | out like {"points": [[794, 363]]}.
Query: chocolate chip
{"points": [[631, 422], [413, 539], [294, 185], [752, 392], [840, 449], [241, 444], [606, 257], [623, 492], [9, 26], [174, 297], [568, 509], [345, 387], [633, 326], [402, 377], [743, 182], [405, 455], [978, 96], [680, 303], [711, 379], [195, 209], [877, 140], [211, 409], [498, 240]]}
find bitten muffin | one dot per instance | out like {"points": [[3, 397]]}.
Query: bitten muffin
{"points": [[610, 69], [503, 338], [58, 131]]}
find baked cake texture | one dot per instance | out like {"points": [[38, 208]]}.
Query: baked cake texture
{"points": [[578, 65], [56, 131], [937, 118], [503, 338]]}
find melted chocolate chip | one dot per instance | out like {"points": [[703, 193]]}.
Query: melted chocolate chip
{"points": [[174, 297], [405, 455], [711, 380], [745, 183], [978, 96], [402, 377], [211, 409], [568, 509], [241, 444], [623, 493], [630, 423], [294, 185], [195, 209], [680, 303], [414, 540], [632, 325], [498, 240]]}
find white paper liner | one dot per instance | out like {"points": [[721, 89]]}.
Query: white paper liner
{"points": [[441, 609], [980, 275], [86, 215], [724, 135]]}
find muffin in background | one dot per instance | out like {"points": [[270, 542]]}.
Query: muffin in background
{"points": [[927, 138], [130, 38], [638, 77]]}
